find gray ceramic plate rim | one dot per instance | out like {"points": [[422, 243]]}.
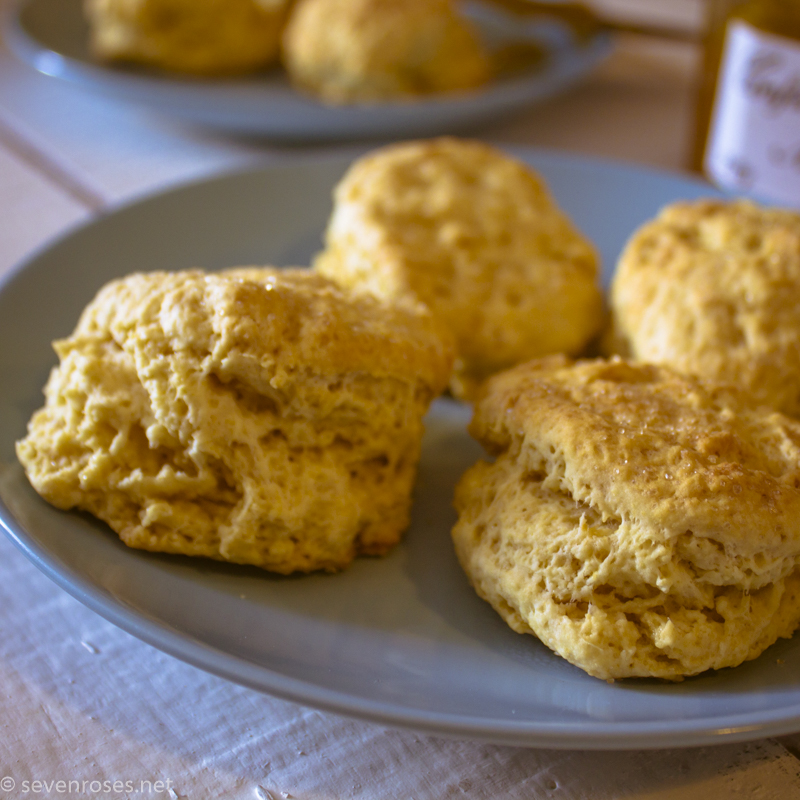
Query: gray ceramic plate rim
{"points": [[267, 106], [724, 726]]}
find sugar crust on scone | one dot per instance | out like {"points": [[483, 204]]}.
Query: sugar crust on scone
{"points": [[207, 37], [257, 416], [638, 522], [475, 235], [712, 288], [366, 51]]}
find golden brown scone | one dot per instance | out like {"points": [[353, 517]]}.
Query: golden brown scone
{"points": [[258, 416], [713, 289], [638, 522], [207, 37], [475, 235], [362, 51]]}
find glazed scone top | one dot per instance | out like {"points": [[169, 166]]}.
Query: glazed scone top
{"points": [[640, 523], [643, 443], [288, 320], [372, 50], [712, 288], [475, 235]]}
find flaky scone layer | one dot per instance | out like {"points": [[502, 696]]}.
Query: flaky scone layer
{"points": [[638, 522], [712, 288], [258, 416], [475, 235]]}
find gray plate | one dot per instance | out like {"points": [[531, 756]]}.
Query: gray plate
{"points": [[52, 36], [401, 640]]}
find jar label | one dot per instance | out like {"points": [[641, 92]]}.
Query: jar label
{"points": [[754, 138]]}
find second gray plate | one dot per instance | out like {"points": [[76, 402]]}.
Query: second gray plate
{"points": [[52, 37]]}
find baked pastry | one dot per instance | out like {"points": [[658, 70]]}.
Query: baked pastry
{"points": [[475, 235], [209, 37], [712, 288], [363, 51], [638, 522], [257, 416]]}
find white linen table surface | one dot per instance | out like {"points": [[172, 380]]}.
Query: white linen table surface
{"points": [[83, 702]]}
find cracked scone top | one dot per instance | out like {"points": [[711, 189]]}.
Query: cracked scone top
{"points": [[712, 288], [257, 416], [638, 522], [194, 36], [366, 51], [475, 235]]}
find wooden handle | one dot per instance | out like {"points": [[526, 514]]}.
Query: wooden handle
{"points": [[587, 24]]}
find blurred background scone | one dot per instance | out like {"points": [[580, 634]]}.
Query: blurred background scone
{"points": [[638, 522], [347, 51], [475, 235], [713, 289], [257, 416], [207, 37]]}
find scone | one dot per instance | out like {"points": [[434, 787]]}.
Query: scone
{"points": [[364, 51], [208, 37], [258, 416], [712, 288], [639, 523], [476, 236]]}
